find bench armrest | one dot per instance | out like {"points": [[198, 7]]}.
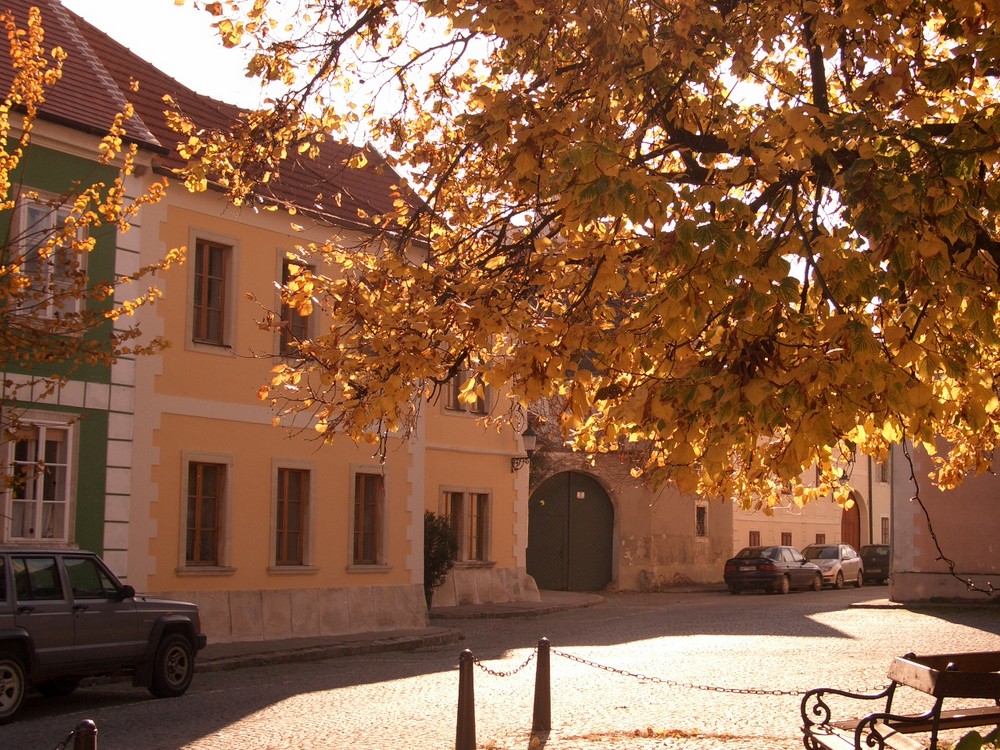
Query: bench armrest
{"points": [[815, 711]]}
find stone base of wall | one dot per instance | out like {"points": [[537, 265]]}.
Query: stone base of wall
{"points": [[486, 585], [922, 587], [233, 616]]}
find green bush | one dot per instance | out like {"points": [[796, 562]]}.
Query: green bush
{"points": [[440, 551]]}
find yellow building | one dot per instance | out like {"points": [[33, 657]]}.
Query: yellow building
{"points": [[270, 532]]}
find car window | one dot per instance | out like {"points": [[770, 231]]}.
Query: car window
{"points": [[36, 578], [821, 553], [795, 555], [88, 580], [774, 553]]}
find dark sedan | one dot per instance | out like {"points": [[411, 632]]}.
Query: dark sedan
{"points": [[774, 569]]}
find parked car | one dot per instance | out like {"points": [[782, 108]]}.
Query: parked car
{"points": [[774, 569], [65, 616], [839, 563], [875, 558]]}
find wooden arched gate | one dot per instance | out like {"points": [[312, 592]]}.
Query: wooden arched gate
{"points": [[570, 527], [850, 524]]}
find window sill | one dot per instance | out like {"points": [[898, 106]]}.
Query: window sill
{"points": [[291, 570], [205, 570], [472, 564], [365, 568]]}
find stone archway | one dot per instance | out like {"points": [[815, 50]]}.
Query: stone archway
{"points": [[570, 530]]}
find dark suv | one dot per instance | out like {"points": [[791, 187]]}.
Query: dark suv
{"points": [[65, 616]]}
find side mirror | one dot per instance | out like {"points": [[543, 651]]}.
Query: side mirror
{"points": [[128, 592]]}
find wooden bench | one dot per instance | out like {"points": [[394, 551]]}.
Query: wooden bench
{"points": [[941, 676]]}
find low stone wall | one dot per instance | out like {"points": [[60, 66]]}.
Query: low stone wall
{"points": [[485, 585], [233, 616]]}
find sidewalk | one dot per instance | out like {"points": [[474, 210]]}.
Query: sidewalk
{"points": [[225, 656]]}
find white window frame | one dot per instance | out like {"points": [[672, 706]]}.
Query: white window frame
{"points": [[308, 525], [465, 532], [224, 556], [231, 245], [53, 214], [40, 425]]}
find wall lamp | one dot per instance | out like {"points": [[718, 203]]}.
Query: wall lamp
{"points": [[529, 439]]}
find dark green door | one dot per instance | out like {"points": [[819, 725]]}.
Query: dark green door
{"points": [[570, 526]]}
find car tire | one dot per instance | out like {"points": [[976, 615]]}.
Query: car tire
{"points": [[817, 584], [59, 688], [734, 590], [173, 667], [838, 582], [12, 685], [861, 579], [783, 586]]}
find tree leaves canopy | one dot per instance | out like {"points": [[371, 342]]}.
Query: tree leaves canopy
{"points": [[732, 238]]}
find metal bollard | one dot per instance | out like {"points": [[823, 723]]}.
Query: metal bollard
{"points": [[85, 735], [465, 733], [541, 718]]}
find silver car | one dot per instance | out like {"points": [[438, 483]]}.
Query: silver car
{"points": [[840, 564]]}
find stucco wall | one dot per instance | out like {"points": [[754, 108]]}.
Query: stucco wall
{"points": [[965, 523], [655, 545]]}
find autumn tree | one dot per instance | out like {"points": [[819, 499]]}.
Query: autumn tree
{"points": [[56, 315], [743, 237]]}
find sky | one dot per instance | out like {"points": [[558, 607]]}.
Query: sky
{"points": [[178, 40]]}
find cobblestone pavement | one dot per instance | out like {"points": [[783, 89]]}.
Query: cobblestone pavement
{"points": [[695, 652]]}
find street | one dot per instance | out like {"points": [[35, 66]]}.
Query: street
{"points": [[694, 648]]}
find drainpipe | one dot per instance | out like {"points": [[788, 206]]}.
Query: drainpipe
{"points": [[871, 503]]}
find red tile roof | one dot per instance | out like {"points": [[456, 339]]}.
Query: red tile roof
{"points": [[96, 83]]}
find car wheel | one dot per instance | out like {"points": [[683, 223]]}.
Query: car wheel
{"points": [[58, 688], [838, 583], [861, 579], [173, 667], [12, 686], [817, 584], [734, 589], [783, 585]]}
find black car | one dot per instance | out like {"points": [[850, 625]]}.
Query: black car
{"points": [[774, 569], [876, 560]]}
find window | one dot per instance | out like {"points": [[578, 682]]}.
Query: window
{"points": [[211, 261], [882, 472], [88, 580], [454, 389], [754, 540], [369, 496], [469, 514], [290, 518], [206, 494], [885, 529], [821, 539], [39, 461], [786, 538], [36, 578], [701, 520], [294, 325], [58, 274]]}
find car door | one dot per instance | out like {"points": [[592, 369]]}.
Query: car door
{"points": [[43, 609], [800, 574], [105, 623], [851, 562]]}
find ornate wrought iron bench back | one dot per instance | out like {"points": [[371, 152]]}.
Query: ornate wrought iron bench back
{"points": [[970, 675]]}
